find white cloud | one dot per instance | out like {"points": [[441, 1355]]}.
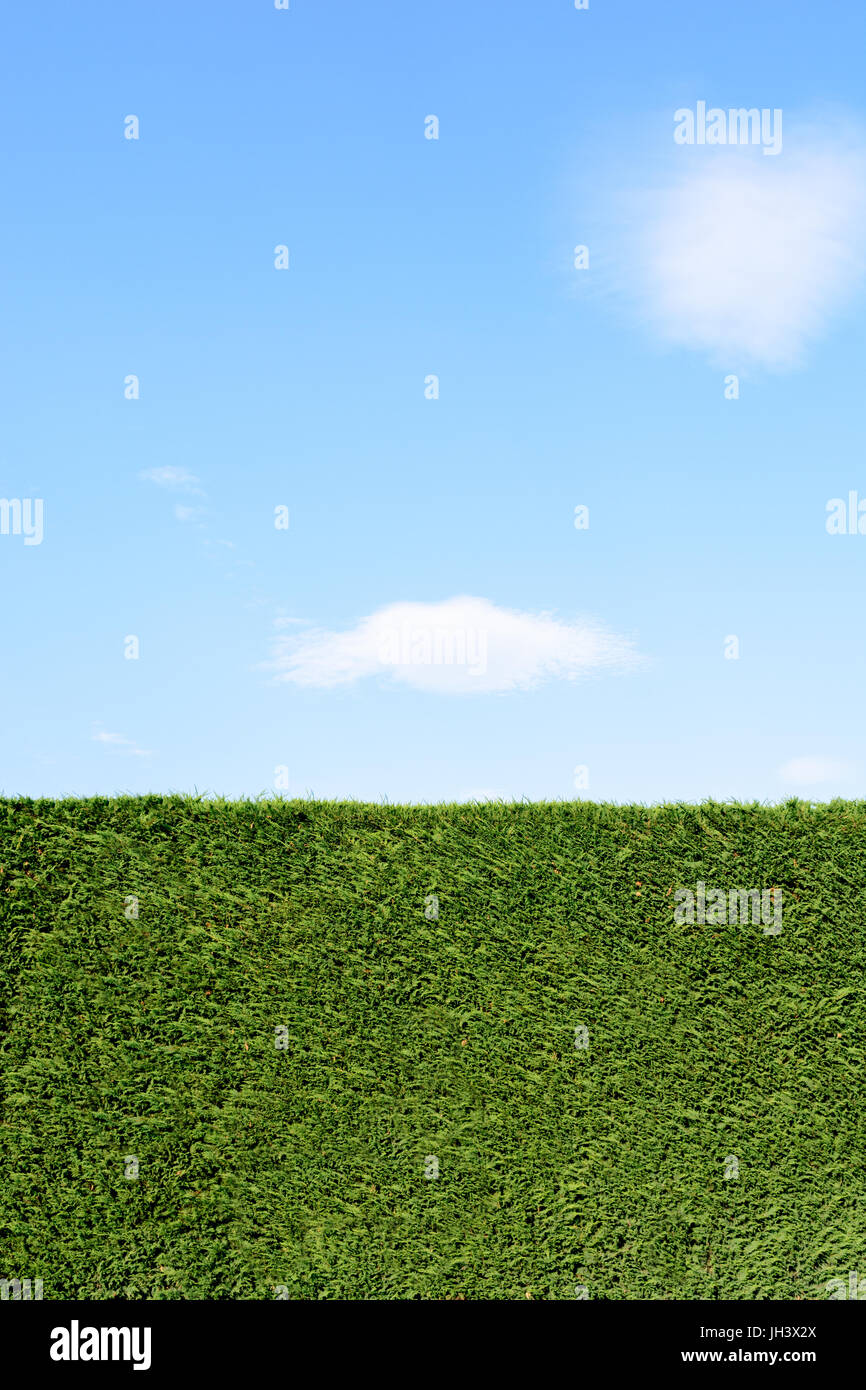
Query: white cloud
{"points": [[186, 513], [745, 258], [121, 743], [177, 479], [460, 646], [809, 772]]}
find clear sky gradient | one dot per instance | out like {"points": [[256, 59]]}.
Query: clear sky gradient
{"points": [[559, 386]]}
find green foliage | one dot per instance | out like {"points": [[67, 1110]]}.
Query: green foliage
{"points": [[410, 1035]]}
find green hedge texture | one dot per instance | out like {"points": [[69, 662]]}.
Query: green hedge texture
{"points": [[288, 1039]]}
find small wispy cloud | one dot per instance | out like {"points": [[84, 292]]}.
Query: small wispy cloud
{"points": [[176, 479], [461, 646], [121, 743], [482, 794], [284, 621], [812, 771]]}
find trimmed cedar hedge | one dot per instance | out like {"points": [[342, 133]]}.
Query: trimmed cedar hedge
{"points": [[465, 1051]]}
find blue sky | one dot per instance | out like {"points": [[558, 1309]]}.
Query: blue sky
{"points": [[261, 648]]}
